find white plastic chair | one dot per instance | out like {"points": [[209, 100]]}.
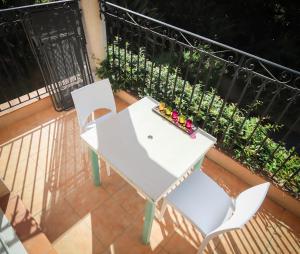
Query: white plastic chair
{"points": [[91, 97], [210, 209]]}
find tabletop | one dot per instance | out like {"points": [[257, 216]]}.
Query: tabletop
{"points": [[147, 150]]}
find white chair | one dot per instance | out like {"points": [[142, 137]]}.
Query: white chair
{"points": [[210, 209], [91, 97]]}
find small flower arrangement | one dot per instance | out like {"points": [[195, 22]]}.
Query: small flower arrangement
{"points": [[179, 120]]}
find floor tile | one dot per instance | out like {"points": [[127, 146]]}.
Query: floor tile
{"points": [[130, 200], [57, 219], [178, 244], [38, 244], [85, 197], [131, 242], [109, 221], [79, 239], [112, 183]]}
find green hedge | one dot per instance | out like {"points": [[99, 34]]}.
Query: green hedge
{"points": [[131, 74]]}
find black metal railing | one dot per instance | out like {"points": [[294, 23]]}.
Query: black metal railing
{"points": [[250, 104], [43, 50], [20, 76]]}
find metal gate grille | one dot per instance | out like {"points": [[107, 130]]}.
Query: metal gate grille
{"points": [[56, 38]]}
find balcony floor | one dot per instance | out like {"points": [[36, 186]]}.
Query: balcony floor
{"points": [[44, 163]]}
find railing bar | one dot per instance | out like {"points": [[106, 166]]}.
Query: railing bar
{"points": [[177, 71], [71, 52], [248, 82], [107, 21], [261, 88], [145, 62], [138, 61], [131, 58], [214, 95], [205, 84], [278, 120], [113, 49], [119, 53], [55, 80], [263, 114], [206, 117], [185, 78], [159, 70], [84, 70], [196, 79], [131, 18], [166, 86], [152, 66], [54, 58], [64, 61], [186, 39], [125, 52], [233, 82]]}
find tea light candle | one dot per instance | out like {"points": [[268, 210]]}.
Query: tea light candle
{"points": [[188, 124], [182, 119], [168, 111], [175, 116], [162, 106]]}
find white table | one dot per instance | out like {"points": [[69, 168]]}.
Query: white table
{"points": [[147, 151]]}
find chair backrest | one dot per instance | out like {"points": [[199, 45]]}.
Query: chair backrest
{"points": [[91, 97], [246, 205]]}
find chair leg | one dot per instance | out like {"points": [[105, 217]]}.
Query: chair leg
{"points": [[107, 168], [96, 168], [163, 209]]}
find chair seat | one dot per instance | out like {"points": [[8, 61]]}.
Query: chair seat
{"points": [[202, 201]]}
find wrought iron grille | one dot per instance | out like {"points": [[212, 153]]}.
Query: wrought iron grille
{"points": [[250, 104], [20, 76], [55, 46]]}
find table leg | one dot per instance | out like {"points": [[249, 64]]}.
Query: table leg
{"points": [[199, 164], [96, 168], [149, 217]]}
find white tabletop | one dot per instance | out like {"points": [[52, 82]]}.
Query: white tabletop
{"points": [[152, 165]]}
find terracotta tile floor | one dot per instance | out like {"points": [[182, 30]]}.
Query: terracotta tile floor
{"points": [[44, 163]]}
